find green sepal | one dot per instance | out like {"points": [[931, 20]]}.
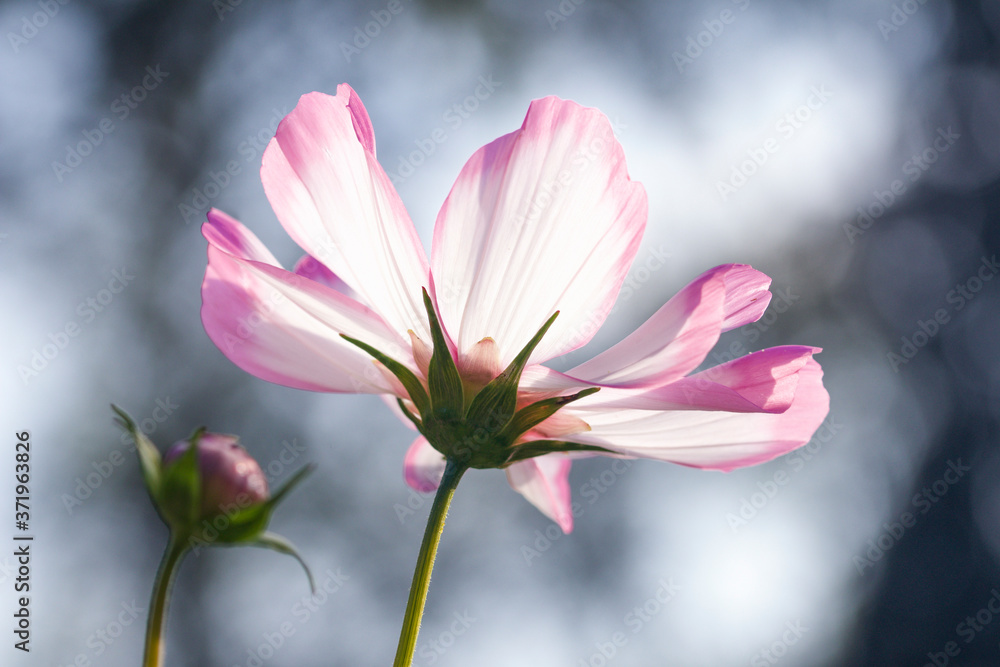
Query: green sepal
{"points": [[243, 525], [282, 545], [409, 381], [292, 482], [180, 490], [248, 523], [530, 450], [443, 381], [531, 415], [406, 411], [497, 401], [150, 460]]}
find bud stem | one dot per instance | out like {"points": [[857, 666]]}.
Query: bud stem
{"points": [[158, 604], [425, 563]]}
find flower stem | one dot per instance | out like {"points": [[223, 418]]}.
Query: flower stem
{"points": [[425, 564], [161, 597]]}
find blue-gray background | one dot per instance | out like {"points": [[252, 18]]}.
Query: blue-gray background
{"points": [[815, 572]]}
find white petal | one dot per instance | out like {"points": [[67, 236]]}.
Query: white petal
{"points": [[542, 219]]}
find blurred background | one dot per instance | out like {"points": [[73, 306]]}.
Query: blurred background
{"points": [[850, 150]]}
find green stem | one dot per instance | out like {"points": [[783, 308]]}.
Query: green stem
{"points": [[425, 564], [161, 597]]}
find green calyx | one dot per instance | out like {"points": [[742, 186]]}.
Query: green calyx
{"points": [[176, 491], [478, 430]]}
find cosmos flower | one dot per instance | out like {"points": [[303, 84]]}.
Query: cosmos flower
{"points": [[529, 252]]}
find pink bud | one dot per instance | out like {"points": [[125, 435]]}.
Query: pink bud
{"points": [[230, 478]]}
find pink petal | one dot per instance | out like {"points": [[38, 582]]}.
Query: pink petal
{"points": [[715, 440], [422, 352], [678, 337], [481, 363], [747, 296], [763, 381], [544, 481], [332, 196], [560, 425], [282, 327], [313, 269], [423, 466], [542, 219]]}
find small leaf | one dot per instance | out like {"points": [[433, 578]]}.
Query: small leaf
{"points": [[409, 381], [443, 380], [149, 456], [530, 416], [530, 450], [282, 545], [244, 525], [292, 482], [495, 404]]}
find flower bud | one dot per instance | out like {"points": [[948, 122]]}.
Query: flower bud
{"points": [[230, 477], [216, 494]]}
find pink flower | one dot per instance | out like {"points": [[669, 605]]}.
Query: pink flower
{"points": [[542, 220]]}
